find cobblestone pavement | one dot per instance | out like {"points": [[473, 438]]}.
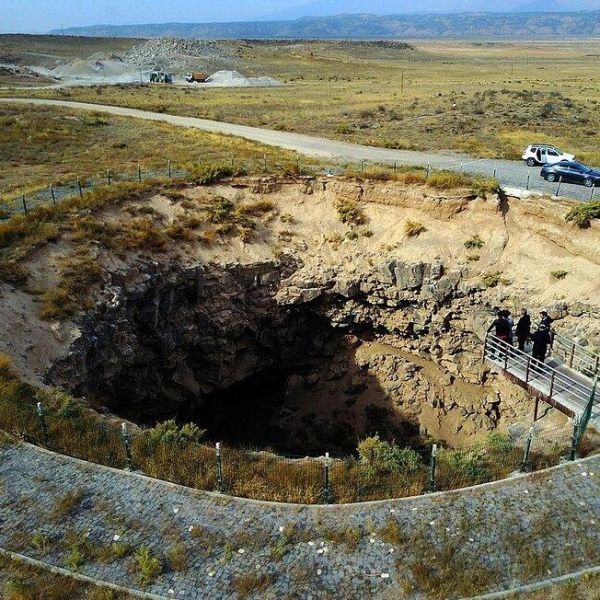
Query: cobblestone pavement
{"points": [[67, 512]]}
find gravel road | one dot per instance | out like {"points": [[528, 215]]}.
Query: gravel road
{"points": [[513, 175]]}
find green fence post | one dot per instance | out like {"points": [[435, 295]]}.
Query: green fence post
{"points": [[139, 172], [432, 469], [327, 495], [575, 439], [528, 181], [53, 196], [219, 465], [109, 177], [428, 170], [558, 188], [525, 462], [42, 417], [127, 443], [24, 204], [79, 187]]}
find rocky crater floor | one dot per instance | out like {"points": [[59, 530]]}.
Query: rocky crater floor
{"points": [[300, 314]]}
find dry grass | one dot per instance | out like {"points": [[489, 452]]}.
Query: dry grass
{"points": [[252, 583], [84, 434], [431, 98], [414, 228], [68, 504]]}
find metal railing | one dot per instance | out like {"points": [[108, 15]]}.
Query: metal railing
{"points": [[557, 387], [576, 357]]}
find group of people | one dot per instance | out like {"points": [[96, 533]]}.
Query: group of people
{"points": [[504, 329]]}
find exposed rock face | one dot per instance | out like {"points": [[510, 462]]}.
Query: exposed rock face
{"points": [[166, 337]]}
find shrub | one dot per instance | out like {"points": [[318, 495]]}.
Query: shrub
{"points": [[12, 272], [583, 214], [559, 274], [491, 280], [169, 433], [385, 456], [350, 212], [474, 242], [209, 173], [177, 557], [499, 442], [413, 228], [149, 566], [482, 186], [257, 208]]}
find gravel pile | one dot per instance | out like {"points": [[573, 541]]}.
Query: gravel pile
{"points": [[181, 56]]}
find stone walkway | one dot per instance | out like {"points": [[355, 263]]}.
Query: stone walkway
{"points": [[94, 519]]}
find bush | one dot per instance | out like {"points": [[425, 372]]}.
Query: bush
{"points": [[413, 228], [12, 272], [491, 280], [386, 456], [499, 442], [559, 274], [209, 173], [149, 566], [350, 212], [169, 433], [474, 242], [583, 214]]}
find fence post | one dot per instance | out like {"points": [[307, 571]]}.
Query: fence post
{"points": [[362, 166], [79, 187], [53, 196], [109, 177], [140, 172], [575, 439], [592, 193], [432, 468], [528, 181], [495, 173], [395, 167], [127, 443], [327, 495], [169, 169], [428, 169], [572, 356], [24, 204], [525, 462], [558, 188], [42, 417], [219, 466], [552, 378]]}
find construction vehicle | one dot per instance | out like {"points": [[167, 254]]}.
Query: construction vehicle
{"points": [[197, 77], [161, 77]]}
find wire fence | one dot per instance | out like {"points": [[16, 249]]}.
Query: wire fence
{"points": [[57, 191], [70, 429], [53, 193]]}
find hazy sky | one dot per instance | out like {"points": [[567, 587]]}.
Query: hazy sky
{"points": [[42, 15]]}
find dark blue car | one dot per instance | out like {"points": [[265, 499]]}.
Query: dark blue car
{"points": [[571, 172]]}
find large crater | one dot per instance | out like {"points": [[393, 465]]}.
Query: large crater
{"points": [[261, 357]]}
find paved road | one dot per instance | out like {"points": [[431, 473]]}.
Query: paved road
{"points": [[511, 174], [488, 536]]}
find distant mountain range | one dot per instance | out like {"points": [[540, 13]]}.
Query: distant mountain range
{"points": [[322, 8], [469, 25]]}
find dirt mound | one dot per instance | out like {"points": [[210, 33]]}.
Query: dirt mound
{"points": [[236, 79]]}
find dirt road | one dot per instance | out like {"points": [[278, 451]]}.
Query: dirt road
{"points": [[514, 175]]}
